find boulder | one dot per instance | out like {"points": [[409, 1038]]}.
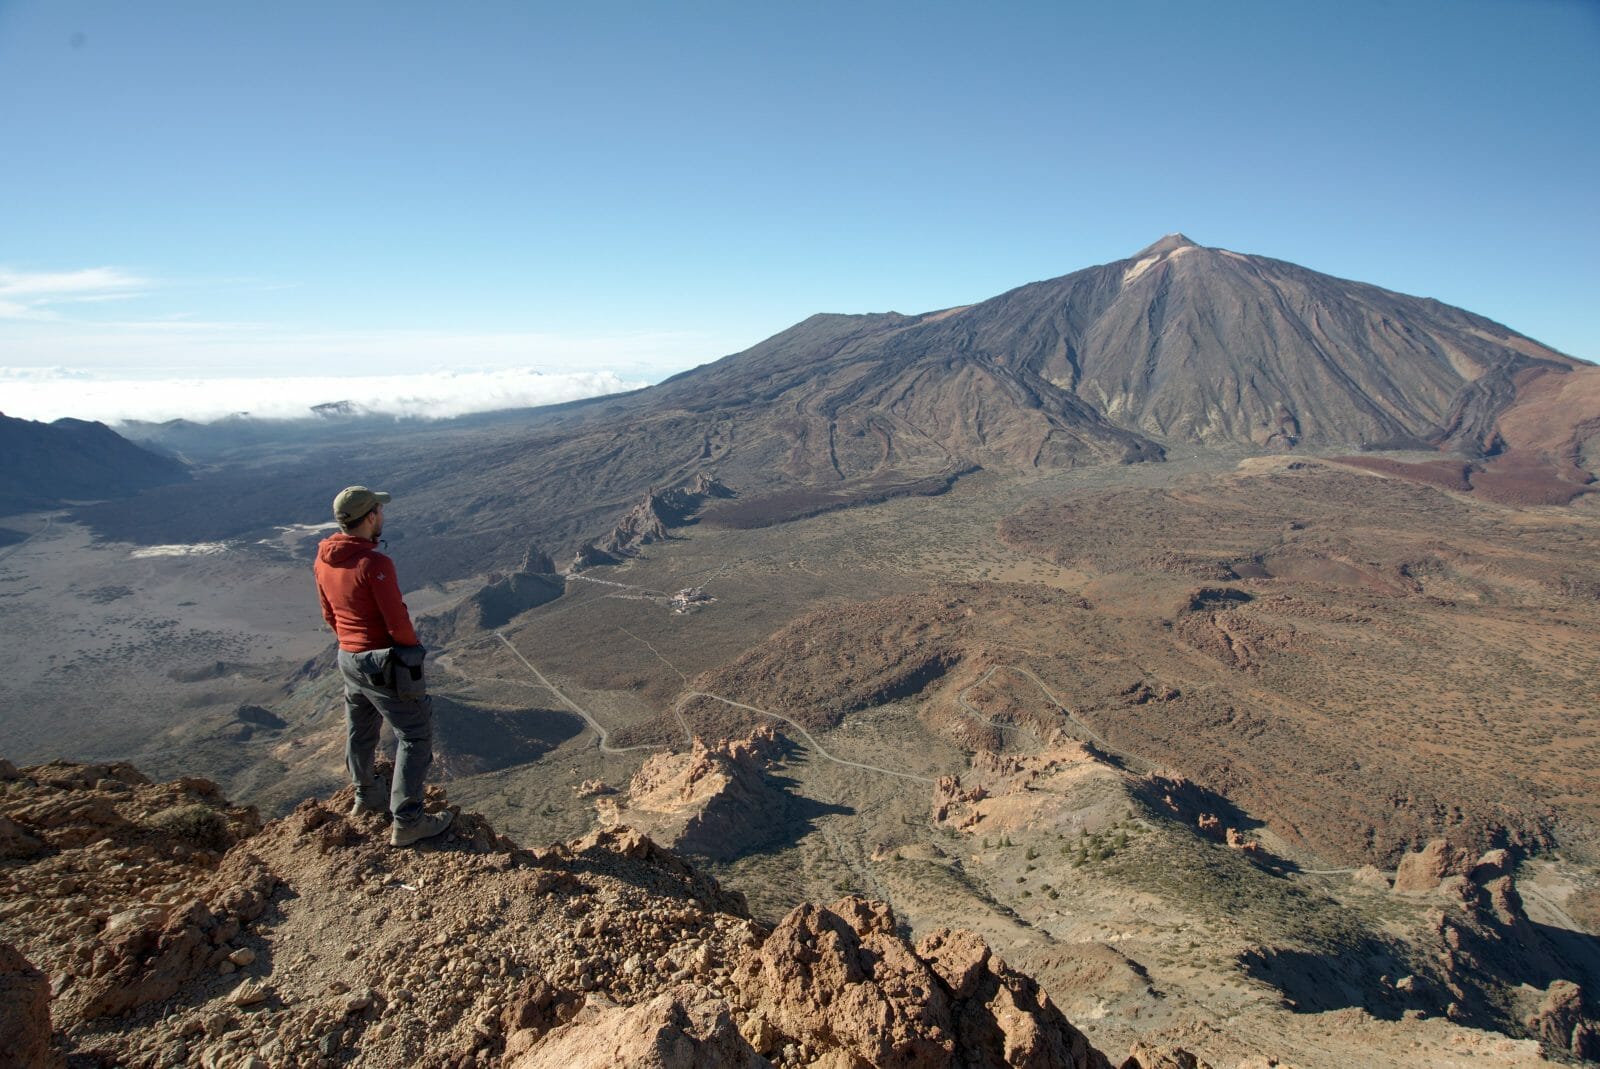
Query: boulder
{"points": [[1144, 1056], [1492, 865], [1371, 877], [1423, 870], [684, 1028], [15, 842], [1562, 1025], [24, 1013]]}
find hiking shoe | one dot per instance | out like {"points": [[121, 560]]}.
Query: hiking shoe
{"points": [[430, 825], [361, 808]]}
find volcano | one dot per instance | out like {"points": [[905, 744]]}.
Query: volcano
{"points": [[1177, 346]]}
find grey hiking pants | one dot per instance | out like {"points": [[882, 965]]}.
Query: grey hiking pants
{"points": [[369, 694]]}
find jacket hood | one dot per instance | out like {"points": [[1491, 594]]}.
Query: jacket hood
{"points": [[343, 549]]}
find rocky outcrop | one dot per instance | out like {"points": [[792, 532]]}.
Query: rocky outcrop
{"points": [[650, 521], [839, 977], [1052, 789], [1561, 1024], [1424, 869], [311, 941], [502, 597], [711, 802], [24, 1013], [1144, 1056], [678, 1029]]}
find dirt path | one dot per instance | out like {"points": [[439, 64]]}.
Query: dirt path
{"points": [[48, 521], [810, 739], [605, 735], [677, 709], [573, 577], [1133, 762]]}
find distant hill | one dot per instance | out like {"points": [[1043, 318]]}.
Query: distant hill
{"points": [[46, 464]]}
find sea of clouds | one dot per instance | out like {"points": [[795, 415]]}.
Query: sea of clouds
{"points": [[48, 394]]}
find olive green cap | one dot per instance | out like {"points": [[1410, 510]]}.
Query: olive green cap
{"points": [[354, 502]]}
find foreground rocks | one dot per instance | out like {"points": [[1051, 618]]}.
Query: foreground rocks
{"points": [[24, 1012], [161, 927]]}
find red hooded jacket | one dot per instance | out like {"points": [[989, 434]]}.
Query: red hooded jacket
{"points": [[361, 595]]}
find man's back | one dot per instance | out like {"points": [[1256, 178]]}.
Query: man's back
{"points": [[360, 595]]}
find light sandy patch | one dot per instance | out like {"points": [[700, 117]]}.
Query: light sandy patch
{"points": [[1139, 268], [196, 549]]}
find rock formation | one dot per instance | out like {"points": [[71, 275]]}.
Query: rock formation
{"points": [[650, 521], [714, 802], [1561, 1024], [1422, 871], [1066, 787], [175, 930], [24, 1013]]}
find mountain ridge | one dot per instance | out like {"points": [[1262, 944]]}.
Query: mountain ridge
{"points": [[1180, 346]]}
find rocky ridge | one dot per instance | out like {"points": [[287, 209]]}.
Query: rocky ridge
{"points": [[166, 928], [650, 521]]}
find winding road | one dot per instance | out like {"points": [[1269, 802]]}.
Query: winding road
{"points": [[1127, 758], [677, 709], [599, 729], [810, 739]]}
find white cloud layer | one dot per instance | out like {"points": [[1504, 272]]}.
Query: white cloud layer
{"points": [[47, 394]]}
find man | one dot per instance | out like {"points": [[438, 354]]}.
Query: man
{"points": [[381, 662]]}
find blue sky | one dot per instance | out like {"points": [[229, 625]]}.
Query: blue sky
{"points": [[351, 188]]}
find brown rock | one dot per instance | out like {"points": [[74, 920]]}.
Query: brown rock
{"points": [[24, 1013], [959, 957], [1492, 865], [1000, 1015], [1143, 1056], [840, 979], [680, 1029], [8, 771], [839, 976], [705, 802], [249, 993], [1371, 876], [72, 821], [1237, 841], [1561, 1023], [15, 842], [1423, 870]]}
